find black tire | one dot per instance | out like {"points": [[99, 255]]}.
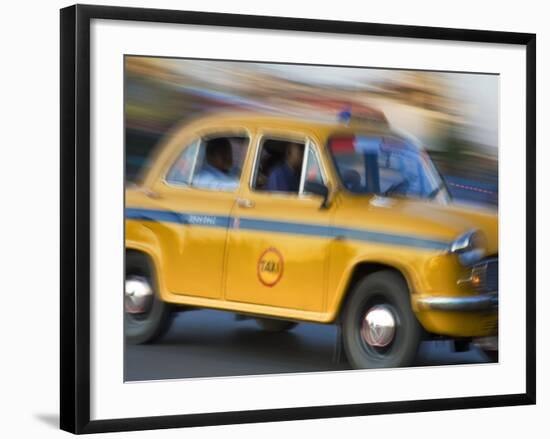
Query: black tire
{"points": [[491, 355], [274, 325], [154, 323], [389, 290]]}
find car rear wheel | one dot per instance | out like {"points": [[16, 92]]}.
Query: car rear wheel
{"points": [[274, 325], [146, 317], [379, 327]]}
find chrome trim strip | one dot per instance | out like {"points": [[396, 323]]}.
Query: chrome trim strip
{"points": [[465, 303]]}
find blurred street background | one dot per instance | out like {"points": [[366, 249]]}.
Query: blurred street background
{"points": [[454, 115]]}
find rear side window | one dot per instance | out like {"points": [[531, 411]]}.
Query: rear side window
{"points": [[213, 163], [219, 163], [181, 171]]}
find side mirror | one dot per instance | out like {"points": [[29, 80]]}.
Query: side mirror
{"points": [[317, 189]]}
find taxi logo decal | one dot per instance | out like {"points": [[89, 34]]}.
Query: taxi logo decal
{"points": [[270, 267]]}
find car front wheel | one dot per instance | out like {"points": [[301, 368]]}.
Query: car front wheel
{"points": [[379, 328]]}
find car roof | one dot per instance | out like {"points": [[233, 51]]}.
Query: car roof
{"points": [[323, 126]]}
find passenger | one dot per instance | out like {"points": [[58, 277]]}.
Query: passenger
{"points": [[285, 177], [216, 169]]}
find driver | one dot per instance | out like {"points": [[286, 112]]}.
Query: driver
{"points": [[216, 169]]}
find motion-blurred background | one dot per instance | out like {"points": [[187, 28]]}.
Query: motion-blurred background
{"points": [[455, 115]]}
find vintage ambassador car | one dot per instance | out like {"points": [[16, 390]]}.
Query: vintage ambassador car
{"points": [[289, 220]]}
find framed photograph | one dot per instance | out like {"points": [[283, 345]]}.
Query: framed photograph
{"points": [[272, 218]]}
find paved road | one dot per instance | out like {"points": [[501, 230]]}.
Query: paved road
{"points": [[205, 343]]}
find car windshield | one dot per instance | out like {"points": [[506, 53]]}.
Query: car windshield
{"points": [[385, 165]]}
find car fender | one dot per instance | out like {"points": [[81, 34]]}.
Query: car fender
{"points": [[376, 262], [141, 238]]}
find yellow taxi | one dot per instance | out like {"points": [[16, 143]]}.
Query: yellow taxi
{"points": [[286, 220]]}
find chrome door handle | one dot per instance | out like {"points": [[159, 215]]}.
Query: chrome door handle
{"points": [[244, 203]]}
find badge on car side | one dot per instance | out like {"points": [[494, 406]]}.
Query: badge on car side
{"points": [[270, 267]]}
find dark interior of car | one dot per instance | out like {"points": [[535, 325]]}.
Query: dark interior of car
{"points": [[272, 153]]}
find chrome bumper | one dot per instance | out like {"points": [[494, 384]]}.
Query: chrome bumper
{"points": [[482, 302]]}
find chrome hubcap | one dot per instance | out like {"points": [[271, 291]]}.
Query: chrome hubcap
{"points": [[138, 295], [378, 326]]}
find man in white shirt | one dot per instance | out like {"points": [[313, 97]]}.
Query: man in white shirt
{"points": [[215, 172]]}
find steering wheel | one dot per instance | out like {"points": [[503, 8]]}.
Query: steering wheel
{"points": [[400, 186]]}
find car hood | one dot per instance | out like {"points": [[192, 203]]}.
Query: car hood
{"points": [[422, 219]]}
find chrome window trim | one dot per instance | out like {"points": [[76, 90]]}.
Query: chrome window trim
{"points": [[315, 150], [255, 164], [195, 159], [305, 159]]}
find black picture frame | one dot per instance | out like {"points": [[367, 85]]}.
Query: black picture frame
{"points": [[75, 217]]}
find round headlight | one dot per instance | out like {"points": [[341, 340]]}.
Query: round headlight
{"points": [[469, 247]]}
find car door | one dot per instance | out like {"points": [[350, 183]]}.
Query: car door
{"points": [[197, 208], [278, 242]]}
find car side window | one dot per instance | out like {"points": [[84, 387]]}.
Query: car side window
{"points": [[213, 163], [314, 173], [219, 163], [283, 166], [181, 171], [279, 166]]}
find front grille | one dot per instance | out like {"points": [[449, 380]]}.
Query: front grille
{"points": [[487, 271]]}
